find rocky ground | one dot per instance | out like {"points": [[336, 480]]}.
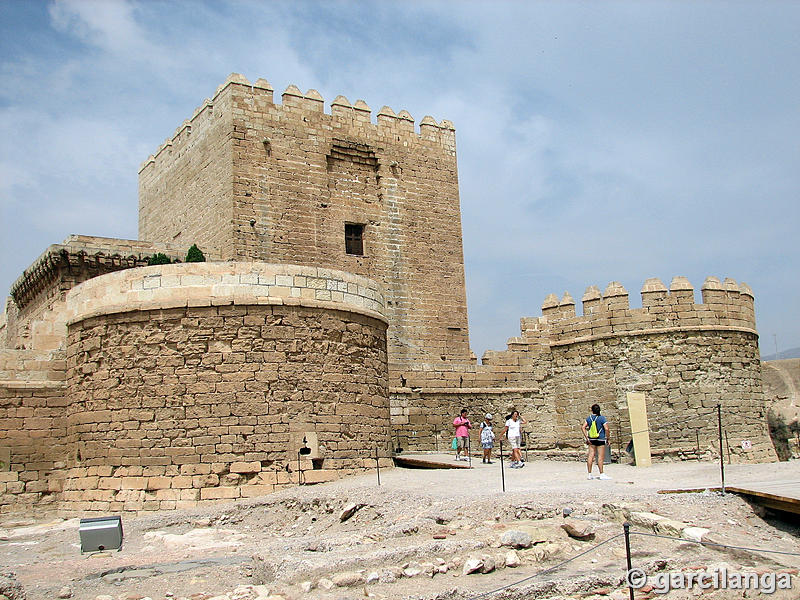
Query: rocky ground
{"points": [[423, 534]]}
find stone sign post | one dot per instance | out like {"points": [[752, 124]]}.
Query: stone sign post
{"points": [[637, 410]]}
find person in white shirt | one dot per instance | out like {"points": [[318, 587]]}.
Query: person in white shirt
{"points": [[512, 431]]}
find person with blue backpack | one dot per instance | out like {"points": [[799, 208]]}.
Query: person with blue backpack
{"points": [[595, 432]]}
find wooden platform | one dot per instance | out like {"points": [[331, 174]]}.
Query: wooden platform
{"points": [[429, 461], [778, 495]]}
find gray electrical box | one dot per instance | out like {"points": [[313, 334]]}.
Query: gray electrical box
{"points": [[101, 533]]}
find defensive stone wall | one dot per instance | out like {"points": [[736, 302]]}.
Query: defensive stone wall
{"points": [[203, 381], [34, 316], [254, 180], [687, 357]]}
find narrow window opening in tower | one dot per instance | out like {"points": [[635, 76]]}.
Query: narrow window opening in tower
{"points": [[354, 238]]}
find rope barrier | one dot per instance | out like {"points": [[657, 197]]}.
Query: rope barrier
{"points": [[548, 570]]}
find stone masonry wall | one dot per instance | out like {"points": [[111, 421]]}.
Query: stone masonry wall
{"points": [[686, 357], [298, 176], [35, 315], [186, 189], [202, 381], [32, 442]]}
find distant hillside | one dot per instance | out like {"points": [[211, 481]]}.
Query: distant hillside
{"points": [[790, 353]]}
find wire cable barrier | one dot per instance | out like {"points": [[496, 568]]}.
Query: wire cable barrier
{"points": [[678, 539], [611, 539], [547, 570]]}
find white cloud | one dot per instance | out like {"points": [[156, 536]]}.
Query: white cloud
{"points": [[619, 141]]}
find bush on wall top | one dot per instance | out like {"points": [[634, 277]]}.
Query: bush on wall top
{"points": [[195, 254], [159, 259]]}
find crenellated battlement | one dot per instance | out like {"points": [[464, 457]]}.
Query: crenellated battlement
{"points": [[251, 176], [391, 126], [725, 305]]}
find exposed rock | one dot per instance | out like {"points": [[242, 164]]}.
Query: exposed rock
{"points": [[516, 539], [306, 586], [348, 511], [244, 592], [65, 592], [373, 577], [472, 565], [580, 530], [347, 579], [412, 570], [512, 558], [648, 520], [325, 584], [488, 564], [10, 587], [671, 527], [391, 575], [695, 533]]}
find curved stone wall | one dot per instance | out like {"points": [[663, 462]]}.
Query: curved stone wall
{"points": [[203, 381]]}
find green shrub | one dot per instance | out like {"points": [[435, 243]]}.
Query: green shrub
{"points": [[195, 254], [780, 433], [159, 259]]}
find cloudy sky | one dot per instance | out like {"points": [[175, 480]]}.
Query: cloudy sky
{"points": [[596, 141]]}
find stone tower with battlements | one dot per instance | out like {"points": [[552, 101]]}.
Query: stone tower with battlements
{"points": [[251, 180]]}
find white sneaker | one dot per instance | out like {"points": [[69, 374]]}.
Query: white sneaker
{"points": [[603, 476], [590, 476]]}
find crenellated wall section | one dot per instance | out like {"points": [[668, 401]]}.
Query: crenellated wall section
{"points": [[686, 356], [252, 179]]}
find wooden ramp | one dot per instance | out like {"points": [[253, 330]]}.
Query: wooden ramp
{"points": [[429, 461], [781, 495], [778, 495]]}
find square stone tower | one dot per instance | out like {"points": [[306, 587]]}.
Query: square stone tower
{"points": [[248, 179]]}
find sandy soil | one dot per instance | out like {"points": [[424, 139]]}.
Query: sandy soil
{"points": [[417, 520]]}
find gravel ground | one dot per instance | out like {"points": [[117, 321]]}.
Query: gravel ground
{"points": [[417, 520]]}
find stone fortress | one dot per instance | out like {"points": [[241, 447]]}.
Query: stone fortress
{"points": [[328, 327]]}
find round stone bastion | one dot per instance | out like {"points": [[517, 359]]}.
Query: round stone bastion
{"points": [[211, 381]]}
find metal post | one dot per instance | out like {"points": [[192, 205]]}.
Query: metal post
{"points": [[721, 455], [299, 471], [378, 465], [524, 440], [469, 449], [502, 471], [627, 529], [727, 446], [697, 443]]}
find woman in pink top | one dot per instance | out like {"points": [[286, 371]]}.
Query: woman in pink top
{"points": [[462, 425]]}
